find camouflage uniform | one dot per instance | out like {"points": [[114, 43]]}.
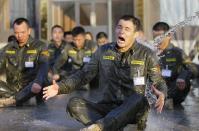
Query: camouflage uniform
{"points": [[122, 78], [54, 52], [73, 59], [176, 64], [24, 66]]}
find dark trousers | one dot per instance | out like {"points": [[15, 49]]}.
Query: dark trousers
{"points": [[111, 117], [177, 95], [20, 96]]}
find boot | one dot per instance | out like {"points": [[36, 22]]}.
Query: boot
{"points": [[93, 127], [7, 102]]}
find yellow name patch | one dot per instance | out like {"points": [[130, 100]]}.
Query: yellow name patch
{"points": [[187, 61], [88, 53], [31, 51], [45, 53], [72, 52], [171, 60], [10, 52], [137, 62], [108, 57], [155, 69]]}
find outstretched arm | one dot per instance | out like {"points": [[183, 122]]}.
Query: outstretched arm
{"points": [[160, 87], [81, 77]]}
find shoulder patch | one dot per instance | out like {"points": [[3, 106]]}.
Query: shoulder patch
{"points": [[155, 69], [31, 52], [45, 53], [187, 61]]}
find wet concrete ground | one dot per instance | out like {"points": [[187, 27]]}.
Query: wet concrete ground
{"points": [[51, 116]]}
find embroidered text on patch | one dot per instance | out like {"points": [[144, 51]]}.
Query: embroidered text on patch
{"points": [[137, 62], [31, 51], [108, 57], [171, 60], [88, 53], [72, 52], [45, 53], [10, 51]]}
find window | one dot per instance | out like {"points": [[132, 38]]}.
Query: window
{"points": [[101, 13], [85, 10]]}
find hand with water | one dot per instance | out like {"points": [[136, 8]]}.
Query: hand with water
{"points": [[50, 91], [160, 101]]}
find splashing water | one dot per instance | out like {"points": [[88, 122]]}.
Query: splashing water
{"points": [[174, 29]]}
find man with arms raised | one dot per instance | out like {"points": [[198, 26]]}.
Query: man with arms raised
{"points": [[123, 68]]}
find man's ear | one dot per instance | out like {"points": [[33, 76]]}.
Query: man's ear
{"points": [[29, 30], [136, 34]]}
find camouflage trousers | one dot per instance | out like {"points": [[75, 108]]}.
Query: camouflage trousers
{"points": [[110, 116]]}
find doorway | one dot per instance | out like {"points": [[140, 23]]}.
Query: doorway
{"points": [[93, 15]]}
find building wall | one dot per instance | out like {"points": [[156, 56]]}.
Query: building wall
{"points": [[12, 9], [4, 20], [151, 16]]}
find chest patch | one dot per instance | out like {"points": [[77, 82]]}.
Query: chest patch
{"points": [[170, 59], [10, 52], [31, 51], [137, 62], [108, 58]]}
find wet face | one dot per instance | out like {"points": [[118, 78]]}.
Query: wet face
{"points": [[165, 42], [22, 33], [57, 35], [102, 41], [125, 34], [79, 41], [68, 38]]}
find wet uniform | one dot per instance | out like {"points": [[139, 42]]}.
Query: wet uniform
{"points": [[175, 64], [73, 59], [24, 66], [54, 52], [122, 79]]}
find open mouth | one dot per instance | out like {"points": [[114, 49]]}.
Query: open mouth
{"points": [[121, 39]]}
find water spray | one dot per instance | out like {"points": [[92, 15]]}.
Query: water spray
{"points": [[173, 30], [157, 41]]}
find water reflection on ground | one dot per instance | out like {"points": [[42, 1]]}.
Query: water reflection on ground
{"points": [[52, 116]]}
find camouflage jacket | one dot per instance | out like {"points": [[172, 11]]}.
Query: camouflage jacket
{"points": [[72, 59], [26, 64], [176, 64], [120, 74], [54, 52]]}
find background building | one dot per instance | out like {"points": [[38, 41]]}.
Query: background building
{"points": [[99, 15]]}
